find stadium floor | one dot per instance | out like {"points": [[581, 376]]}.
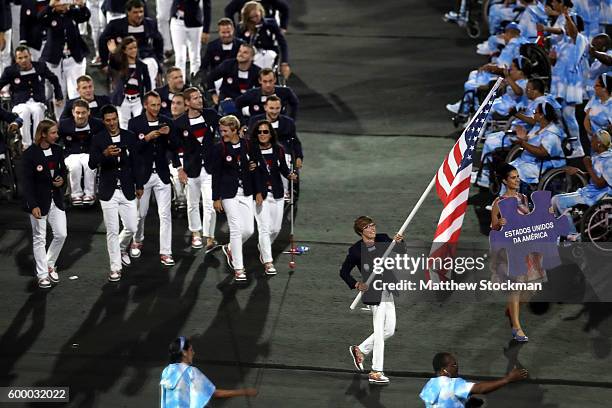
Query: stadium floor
{"points": [[362, 69]]}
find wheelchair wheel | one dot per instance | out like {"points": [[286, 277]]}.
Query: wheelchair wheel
{"points": [[558, 182], [596, 225], [486, 7], [538, 58], [514, 153]]}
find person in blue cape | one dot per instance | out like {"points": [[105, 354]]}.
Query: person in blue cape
{"points": [[184, 386], [447, 390]]}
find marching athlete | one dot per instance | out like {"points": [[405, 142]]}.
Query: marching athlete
{"points": [[76, 133], [195, 132], [85, 88], [153, 132], [44, 172], [114, 151], [234, 185], [270, 157], [177, 108], [381, 302]]}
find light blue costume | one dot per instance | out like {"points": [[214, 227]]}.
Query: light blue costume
{"points": [[605, 12], [600, 113], [446, 392], [595, 70], [495, 140], [588, 10], [184, 386], [589, 195], [510, 99], [528, 165], [532, 15], [499, 13]]}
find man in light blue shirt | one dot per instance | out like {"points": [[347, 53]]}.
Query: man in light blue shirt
{"points": [[446, 390]]}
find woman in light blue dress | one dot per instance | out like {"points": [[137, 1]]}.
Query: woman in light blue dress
{"points": [[569, 72], [599, 109], [184, 386], [542, 146]]}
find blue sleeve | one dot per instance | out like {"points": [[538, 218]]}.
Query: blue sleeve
{"points": [[462, 388]]}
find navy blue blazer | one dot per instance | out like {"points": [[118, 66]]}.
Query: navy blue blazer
{"points": [[24, 87], [94, 111], [195, 153], [230, 168], [156, 150], [267, 37], [126, 168], [120, 82], [254, 100], [287, 135], [270, 6], [31, 32], [150, 44], [270, 171], [166, 101], [353, 259], [77, 144], [233, 86], [38, 189], [194, 15], [62, 28], [6, 20], [215, 54]]}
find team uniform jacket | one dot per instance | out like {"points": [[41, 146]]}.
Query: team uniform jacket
{"points": [[267, 37], [216, 54], [123, 171], [230, 170], [150, 41], [254, 100], [63, 37], [191, 12], [31, 83], [77, 141], [38, 189], [137, 81], [94, 106], [287, 136], [235, 82], [196, 142], [32, 33], [271, 167]]}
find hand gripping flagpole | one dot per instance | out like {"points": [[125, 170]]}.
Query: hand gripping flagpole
{"points": [[423, 196], [401, 232]]}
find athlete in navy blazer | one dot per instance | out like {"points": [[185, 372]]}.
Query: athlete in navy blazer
{"points": [[62, 29], [196, 153], [38, 188]]}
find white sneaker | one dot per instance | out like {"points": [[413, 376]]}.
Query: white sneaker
{"points": [[378, 377], [240, 276], [135, 249], [53, 275], [114, 276], [270, 269], [453, 107], [125, 259]]}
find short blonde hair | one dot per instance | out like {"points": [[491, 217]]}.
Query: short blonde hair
{"points": [[231, 121], [604, 138]]}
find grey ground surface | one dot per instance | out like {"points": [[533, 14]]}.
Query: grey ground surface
{"points": [[363, 69]]}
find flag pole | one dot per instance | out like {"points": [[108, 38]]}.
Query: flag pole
{"points": [[401, 232], [423, 196]]}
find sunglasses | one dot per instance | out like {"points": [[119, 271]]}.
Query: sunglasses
{"points": [[372, 225], [263, 131]]}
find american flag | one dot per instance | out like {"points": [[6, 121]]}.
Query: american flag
{"points": [[453, 182]]}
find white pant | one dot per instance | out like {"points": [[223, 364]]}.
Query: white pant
{"points": [[179, 188], [153, 69], [78, 167], [5, 54], [36, 53], [186, 39], [201, 187], [118, 207], [283, 179], [163, 21], [265, 58], [16, 18], [67, 71], [269, 216], [383, 320], [128, 110], [32, 113], [163, 195], [96, 22], [239, 212], [46, 258]]}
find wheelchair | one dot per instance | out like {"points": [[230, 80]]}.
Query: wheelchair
{"points": [[596, 225], [10, 149]]}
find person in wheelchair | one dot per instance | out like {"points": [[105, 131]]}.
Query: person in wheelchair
{"points": [[85, 88], [515, 80], [600, 52], [599, 109], [489, 72], [14, 123], [525, 118], [542, 149], [599, 169], [76, 133], [27, 88], [266, 36]]}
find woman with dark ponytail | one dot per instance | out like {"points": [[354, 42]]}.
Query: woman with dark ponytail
{"points": [[184, 386], [509, 177]]}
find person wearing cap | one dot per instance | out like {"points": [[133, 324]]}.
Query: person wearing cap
{"points": [[380, 301], [183, 385], [599, 170], [448, 390], [599, 109], [485, 74]]}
